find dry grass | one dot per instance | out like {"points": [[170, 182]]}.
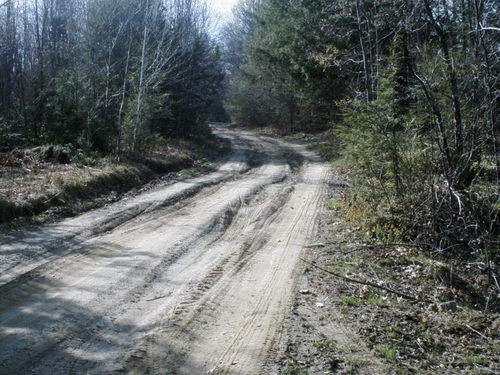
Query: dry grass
{"points": [[30, 186]]}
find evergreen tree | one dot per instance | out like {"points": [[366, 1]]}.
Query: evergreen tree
{"points": [[410, 88]]}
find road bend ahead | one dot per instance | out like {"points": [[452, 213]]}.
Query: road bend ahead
{"points": [[193, 277]]}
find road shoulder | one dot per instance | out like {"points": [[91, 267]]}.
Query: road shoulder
{"points": [[339, 327], [37, 187]]}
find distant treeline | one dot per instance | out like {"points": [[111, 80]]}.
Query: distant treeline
{"points": [[107, 75]]}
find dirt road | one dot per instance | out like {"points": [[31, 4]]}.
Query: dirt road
{"points": [[193, 277]]}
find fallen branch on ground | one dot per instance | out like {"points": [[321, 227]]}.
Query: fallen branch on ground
{"points": [[477, 332], [54, 197], [324, 244], [155, 298], [316, 245], [406, 296]]}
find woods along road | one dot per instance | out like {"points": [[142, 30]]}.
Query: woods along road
{"points": [[192, 277]]}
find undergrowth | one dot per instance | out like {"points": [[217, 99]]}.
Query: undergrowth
{"points": [[63, 179], [397, 195]]}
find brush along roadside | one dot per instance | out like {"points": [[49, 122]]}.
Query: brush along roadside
{"points": [[43, 183], [370, 308]]}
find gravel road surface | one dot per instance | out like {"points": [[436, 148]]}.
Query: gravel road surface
{"points": [[192, 277]]}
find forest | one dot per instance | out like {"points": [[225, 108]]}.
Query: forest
{"points": [[409, 92], [105, 75], [406, 90], [296, 187]]}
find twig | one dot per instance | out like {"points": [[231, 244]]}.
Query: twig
{"points": [[315, 245], [410, 244], [349, 252], [492, 274], [324, 244], [491, 28], [54, 197], [406, 296], [477, 332], [422, 245], [155, 298], [5, 3], [485, 370]]}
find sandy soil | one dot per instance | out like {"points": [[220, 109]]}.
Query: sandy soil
{"points": [[194, 277]]}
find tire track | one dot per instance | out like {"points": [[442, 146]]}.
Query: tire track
{"points": [[24, 252], [233, 358], [219, 304], [137, 298]]}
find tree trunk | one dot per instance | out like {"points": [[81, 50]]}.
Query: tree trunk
{"points": [[368, 78], [140, 94], [122, 103], [452, 78]]}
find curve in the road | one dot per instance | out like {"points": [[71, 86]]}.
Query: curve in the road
{"points": [[195, 280]]}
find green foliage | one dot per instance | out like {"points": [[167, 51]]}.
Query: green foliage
{"points": [[476, 360], [64, 117], [387, 352], [355, 361], [409, 184], [10, 137], [283, 82], [293, 369], [409, 88], [351, 301]]}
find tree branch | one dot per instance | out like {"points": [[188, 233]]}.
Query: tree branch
{"points": [[403, 295], [5, 3]]}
